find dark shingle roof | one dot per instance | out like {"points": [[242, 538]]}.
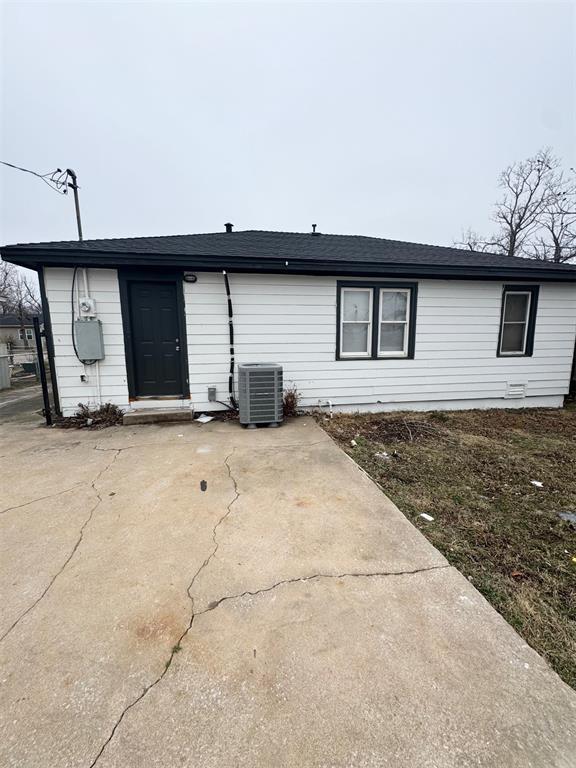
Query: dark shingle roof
{"points": [[258, 250], [13, 321]]}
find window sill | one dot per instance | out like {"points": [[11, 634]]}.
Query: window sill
{"points": [[343, 358]]}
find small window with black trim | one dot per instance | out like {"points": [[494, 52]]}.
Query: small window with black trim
{"points": [[518, 320], [376, 320]]}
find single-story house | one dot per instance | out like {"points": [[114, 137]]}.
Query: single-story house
{"points": [[364, 323], [17, 330]]}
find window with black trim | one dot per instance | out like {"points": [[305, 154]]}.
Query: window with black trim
{"points": [[518, 320], [376, 320], [356, 311]]}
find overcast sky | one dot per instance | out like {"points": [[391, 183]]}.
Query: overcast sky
{"points": [[380, 119]]}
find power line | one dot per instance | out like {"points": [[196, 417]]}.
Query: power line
{"points": [[58, 183], [26, 170]]}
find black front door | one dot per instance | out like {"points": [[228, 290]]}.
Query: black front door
{"points": [[155, 339]]}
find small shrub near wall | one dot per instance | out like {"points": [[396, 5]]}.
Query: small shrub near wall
{"points": [[107, 415], [291, 399]]}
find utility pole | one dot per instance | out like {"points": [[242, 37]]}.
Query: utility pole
{"points": [[74, 187]]}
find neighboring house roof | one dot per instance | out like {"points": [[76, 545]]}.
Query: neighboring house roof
{"points": [[13, 321], [290, 252]]}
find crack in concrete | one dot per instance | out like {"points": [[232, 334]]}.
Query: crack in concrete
{"points": [[74, 549], [221, 600], [66, 490], [193, 614], [315, 576], [216, 603], [42, 498], [213, 605], [214, 537]]}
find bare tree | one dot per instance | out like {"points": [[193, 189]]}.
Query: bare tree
{"points": [[556, 239], [24, 296], [473, 241], [527, 189], [536, 215], [6, 281], [18, 296]]}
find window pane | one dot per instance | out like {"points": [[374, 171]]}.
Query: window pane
{"points": [[516, 307], [355, 337], [392, 337], [393, 305], [513, 337], [356, 305]]}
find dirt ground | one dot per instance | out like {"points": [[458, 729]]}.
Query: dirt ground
{"points": [[472, 471]]}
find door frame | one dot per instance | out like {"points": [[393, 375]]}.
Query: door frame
{"points": [[127, 276]]}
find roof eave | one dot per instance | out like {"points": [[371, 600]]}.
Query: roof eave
{"points": [[34, 258]]}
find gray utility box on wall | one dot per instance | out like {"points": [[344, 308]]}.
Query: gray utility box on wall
{"points": [[89, 341], [260, 393]]}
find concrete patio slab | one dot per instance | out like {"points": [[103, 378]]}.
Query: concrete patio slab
{"points": [[209, 596], [301, 512], [352, 671]]}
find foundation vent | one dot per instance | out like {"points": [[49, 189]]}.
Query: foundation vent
{"points": [[515, 390]]}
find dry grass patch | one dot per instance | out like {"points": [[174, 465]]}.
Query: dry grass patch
{"points": [[472, 472]]}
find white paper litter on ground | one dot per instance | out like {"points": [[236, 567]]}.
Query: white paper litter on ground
{"points": [[204, 419], [427, 517], [537, 483]]}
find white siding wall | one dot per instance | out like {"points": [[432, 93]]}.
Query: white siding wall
{"points": [[292, 320], [103, 285]]}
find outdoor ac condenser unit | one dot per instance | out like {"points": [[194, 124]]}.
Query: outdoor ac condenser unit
{"points": [[260, 394]]}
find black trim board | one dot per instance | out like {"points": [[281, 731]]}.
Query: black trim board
{"points": [[376, 285], [534, 290], [36, 257], [125, 276], [49, 341]]}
